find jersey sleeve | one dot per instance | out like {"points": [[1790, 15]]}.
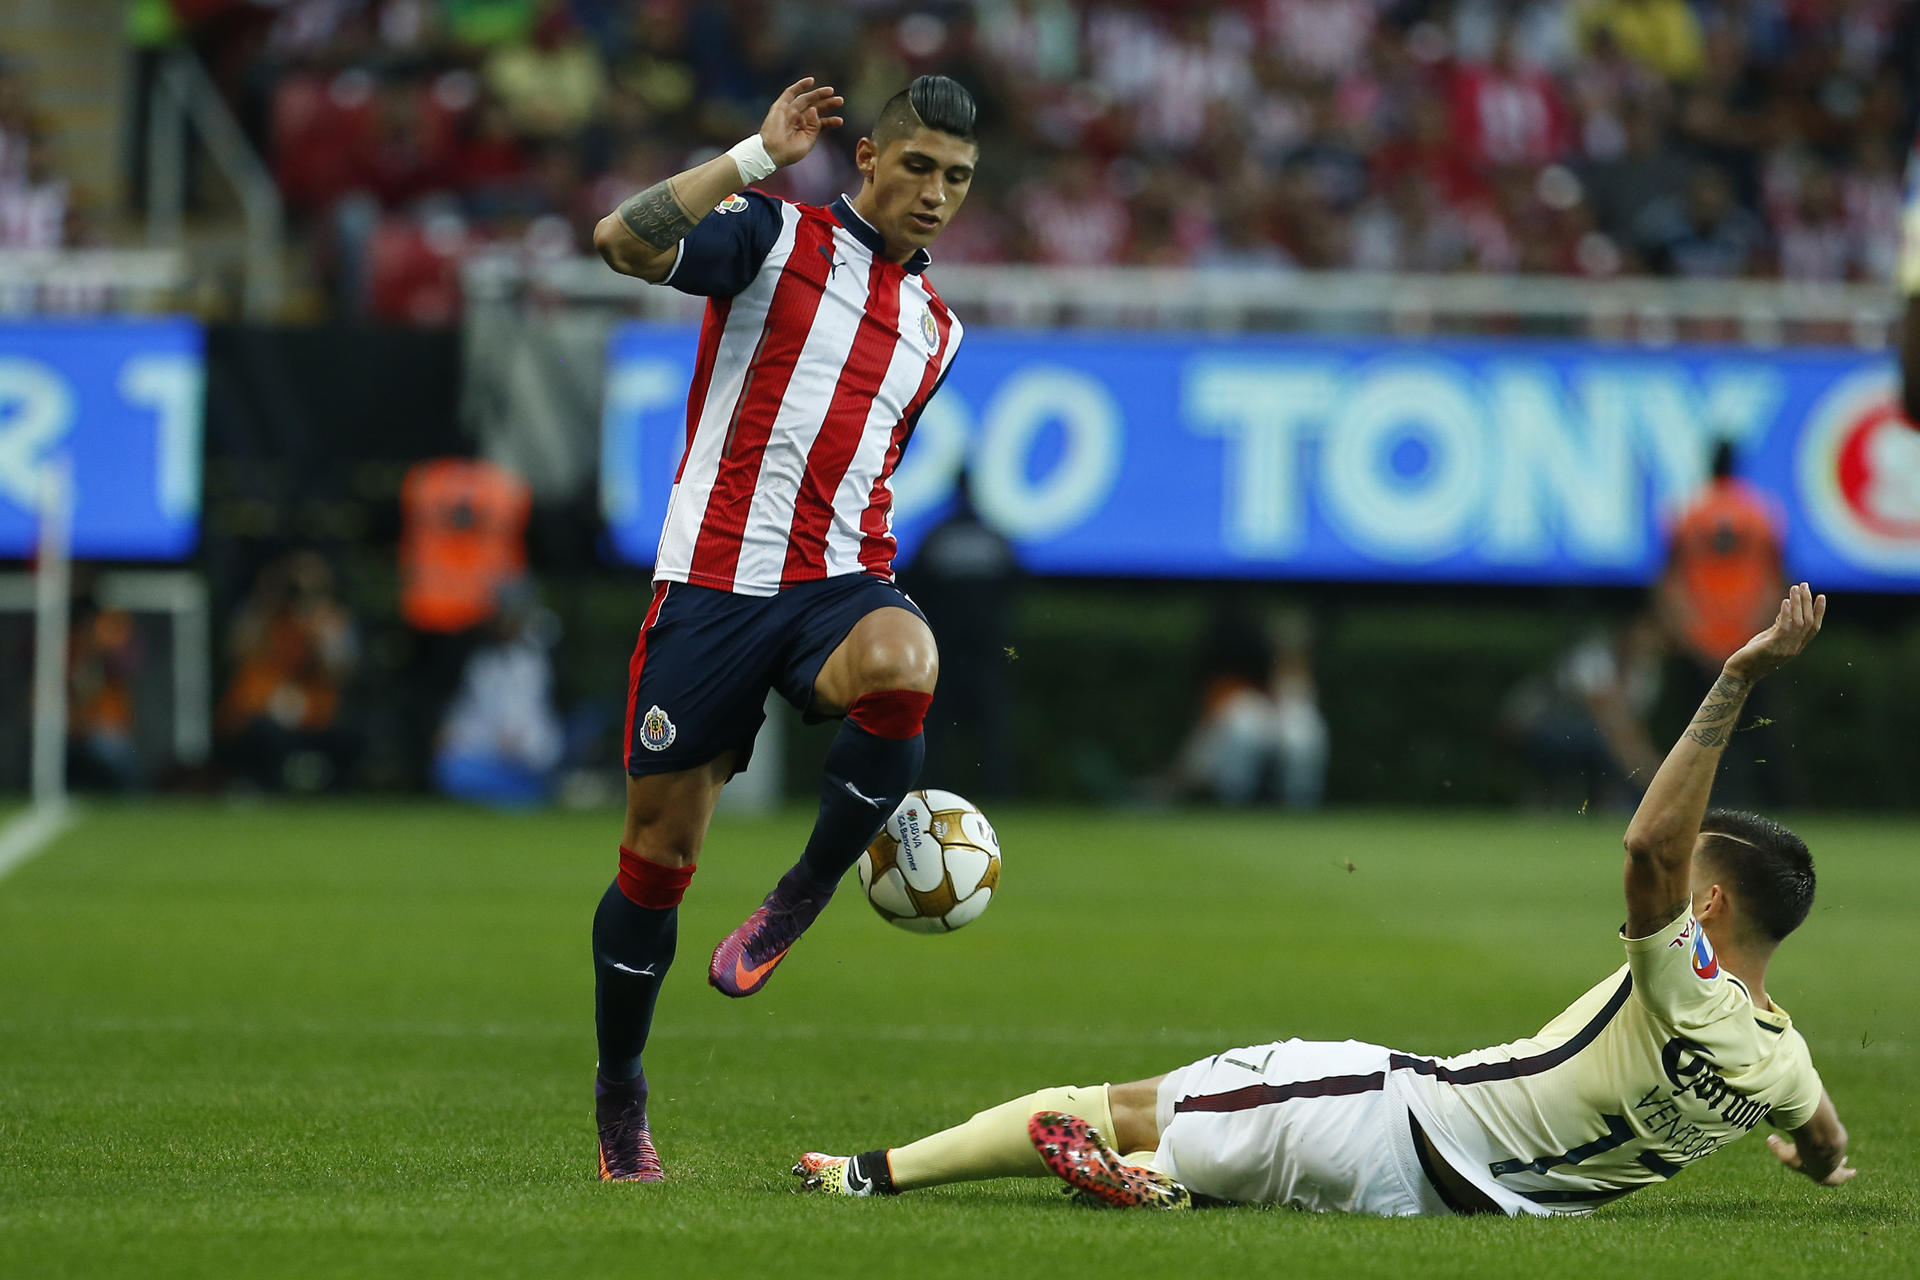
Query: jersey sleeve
{"points": [[721, 255], [1678, 978], [1805, 1084]]}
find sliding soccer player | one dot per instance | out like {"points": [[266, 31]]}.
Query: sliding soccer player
{"points": [[822, 344], [1669, 1058]]}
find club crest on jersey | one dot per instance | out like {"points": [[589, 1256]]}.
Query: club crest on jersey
{"points": [[732, 204], [1705, 964], [929, 332], [656, 730]]}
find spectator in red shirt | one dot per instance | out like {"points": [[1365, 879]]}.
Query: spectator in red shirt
{"points": [[1506, 113]]}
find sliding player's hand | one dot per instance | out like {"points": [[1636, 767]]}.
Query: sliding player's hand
{"points": [[797, 119], [1801, 614], [1789, 1155]]}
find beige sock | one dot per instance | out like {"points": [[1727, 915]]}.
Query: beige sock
{"points": [[994, 1143]]}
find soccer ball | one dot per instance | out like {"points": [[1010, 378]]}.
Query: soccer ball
{"points": [[934, 866]]}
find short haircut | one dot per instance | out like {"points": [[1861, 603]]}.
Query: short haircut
{"points": [[1769, 868], [930, 102]]}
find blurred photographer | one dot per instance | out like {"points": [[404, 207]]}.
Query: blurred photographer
{"points": [[293, 648]]}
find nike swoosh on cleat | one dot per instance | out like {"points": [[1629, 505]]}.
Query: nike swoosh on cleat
{"points": [[858, 1183], [644, 973], [744, 977]]}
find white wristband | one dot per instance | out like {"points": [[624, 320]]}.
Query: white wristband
{"points": [[751, 159]]}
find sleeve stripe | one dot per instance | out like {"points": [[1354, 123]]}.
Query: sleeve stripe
{"points": [[679, 252]]}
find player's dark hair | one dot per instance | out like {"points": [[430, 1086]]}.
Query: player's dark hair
{"points": [[1769, 867], [1724, 459], [930, 102]]}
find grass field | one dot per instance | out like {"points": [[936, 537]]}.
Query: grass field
{"points": [[356, 1040]]}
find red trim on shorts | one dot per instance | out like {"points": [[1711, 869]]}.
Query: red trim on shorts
{"points": [[891, 713], [650, 884], [634, 666]]}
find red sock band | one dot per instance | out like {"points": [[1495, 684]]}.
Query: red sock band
{"points": [[649, 884], [891, 713]]}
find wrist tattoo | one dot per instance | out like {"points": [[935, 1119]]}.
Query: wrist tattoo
{"points": [[1714, 722], [656, 218]]}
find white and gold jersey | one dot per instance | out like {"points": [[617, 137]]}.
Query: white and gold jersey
{"points": [[1666, 1061]]}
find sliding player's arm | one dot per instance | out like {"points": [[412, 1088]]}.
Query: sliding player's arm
{"points": [[1661, 836], [642, 237], [1819, 1147]]}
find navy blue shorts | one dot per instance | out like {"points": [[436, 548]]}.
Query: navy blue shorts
{"points": [[697, 684]]}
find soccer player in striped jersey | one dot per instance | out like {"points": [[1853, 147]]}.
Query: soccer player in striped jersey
{"points": [[1672, 1056], [823, 342]]}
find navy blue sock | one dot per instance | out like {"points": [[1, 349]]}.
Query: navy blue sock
{"points": [[632, 950], [867, 777]]}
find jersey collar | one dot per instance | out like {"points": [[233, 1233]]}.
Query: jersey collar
{"points": [[864, 232], [1774, 1019]]}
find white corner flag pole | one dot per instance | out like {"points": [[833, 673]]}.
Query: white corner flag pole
{"points": [[52, 589]]}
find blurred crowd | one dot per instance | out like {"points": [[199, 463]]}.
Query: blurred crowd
{"points": [[37, 210], [1718, 138]]}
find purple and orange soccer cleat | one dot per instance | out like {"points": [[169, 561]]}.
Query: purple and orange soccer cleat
{"points": [[746, 958], [626, 1148], [1074, 1152]]}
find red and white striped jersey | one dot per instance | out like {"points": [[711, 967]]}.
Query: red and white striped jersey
{"points": [[816, 358]]}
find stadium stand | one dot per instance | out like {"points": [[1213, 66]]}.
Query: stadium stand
{"points": [[1592, 138]]}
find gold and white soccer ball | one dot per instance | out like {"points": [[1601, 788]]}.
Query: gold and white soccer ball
{"points": [[934, 866]]}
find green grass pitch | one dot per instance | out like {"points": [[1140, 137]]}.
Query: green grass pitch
{"points": [[356, 1040]]}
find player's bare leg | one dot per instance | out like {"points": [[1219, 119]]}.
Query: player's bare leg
{"points": [[1135, 1109], [999, 1143], [634, 932], [880, 679]]}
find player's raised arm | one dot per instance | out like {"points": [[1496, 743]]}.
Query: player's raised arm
{"points": [[640, 237], [1661, 837]]}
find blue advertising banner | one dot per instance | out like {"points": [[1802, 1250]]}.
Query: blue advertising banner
{"points": [[124, 400], [1372, 459]]}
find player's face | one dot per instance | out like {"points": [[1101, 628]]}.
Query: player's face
{"points": [[919, 182]]}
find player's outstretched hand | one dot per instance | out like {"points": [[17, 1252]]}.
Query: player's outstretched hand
{"points": [[1801, 614], [1789, 1155], [797, 118]]}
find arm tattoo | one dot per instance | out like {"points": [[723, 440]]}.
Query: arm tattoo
{"points": [[656, 217], [1713, 723]]}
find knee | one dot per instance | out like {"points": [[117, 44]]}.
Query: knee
{"points": [[659, 838], [906, 661], [1135, 1111]]}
